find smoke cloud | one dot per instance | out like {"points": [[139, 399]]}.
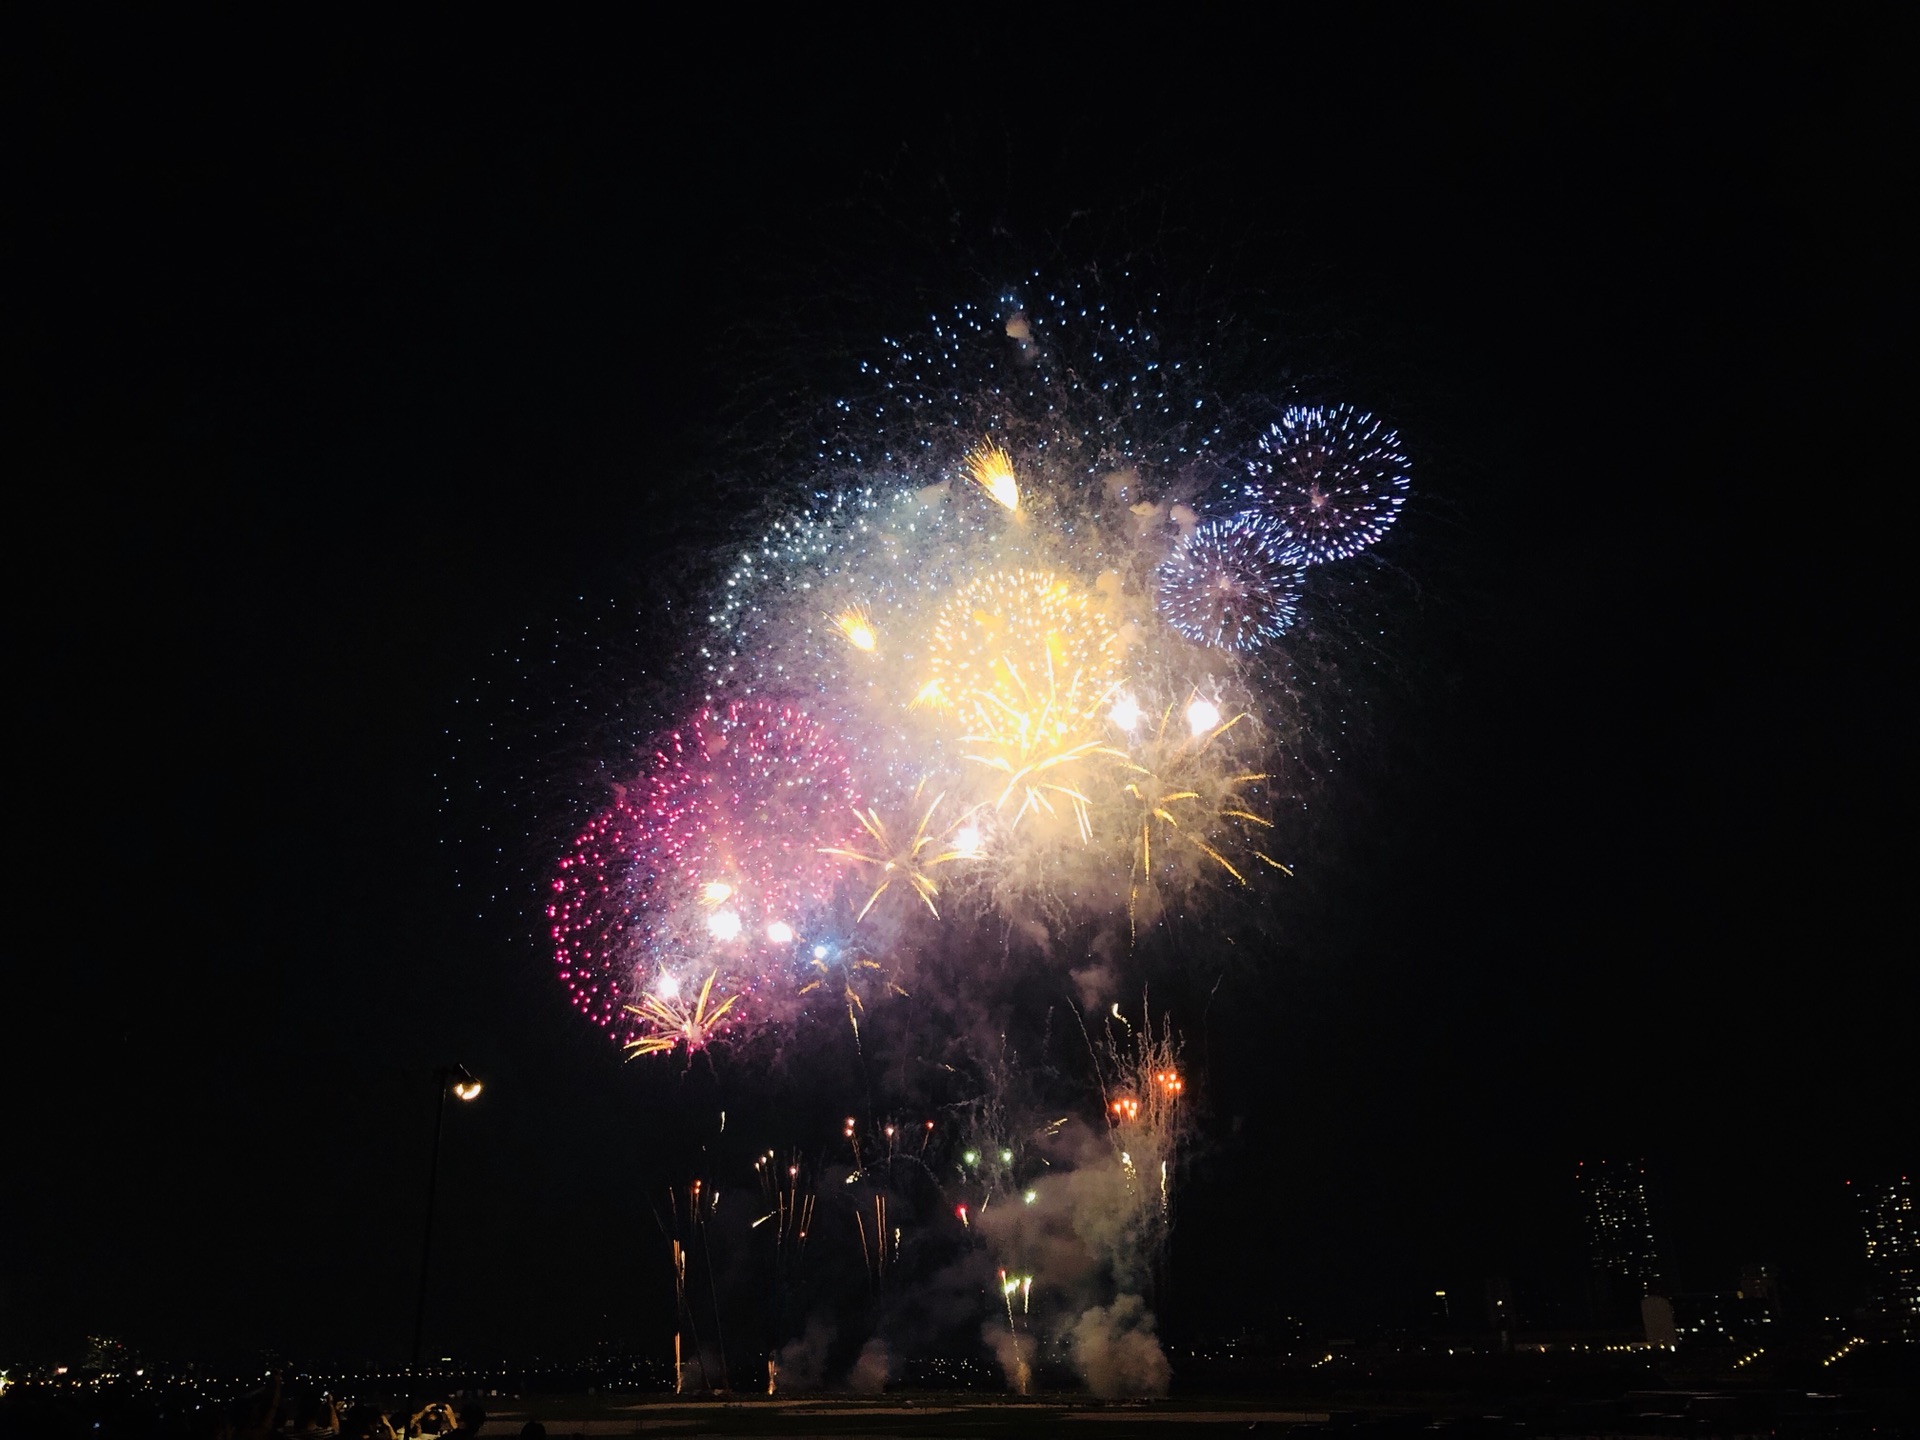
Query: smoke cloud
{"points": [[1114, 1350], [872, 1369]]}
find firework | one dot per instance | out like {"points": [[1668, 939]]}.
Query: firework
{"points": [[911, 856], [1334, 478], [1183, 798], [1044, 753], [944, 742], [1009, 635], [854, 623], [670, 1021], [1148, 1119], [991, 468], [787, 1189], [1233, 584], [714, 851]]}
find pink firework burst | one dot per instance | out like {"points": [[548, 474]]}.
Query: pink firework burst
{"points": [[710, 861]]}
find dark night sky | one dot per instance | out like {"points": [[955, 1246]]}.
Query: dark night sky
{"points": [[338, 360]]}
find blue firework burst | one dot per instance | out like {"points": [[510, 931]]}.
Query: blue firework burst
{"points": [[1234, 583], [1333, 477]]}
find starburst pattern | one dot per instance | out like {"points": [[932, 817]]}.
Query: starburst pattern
{"points": [[1233, 584], [1040, 750], [1333, 477], [1007, 634], [668, 1022], [1180, 800], [907, 855]]}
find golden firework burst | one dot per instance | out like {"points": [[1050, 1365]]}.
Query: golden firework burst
{"points": [[677, 1022]]}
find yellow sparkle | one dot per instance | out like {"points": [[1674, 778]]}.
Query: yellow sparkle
{"points": [[677, 1023], [892, 854], [992, 470], [1012, 634], [1173, 788], [857, 626]]}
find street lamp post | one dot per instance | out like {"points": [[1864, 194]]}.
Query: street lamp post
{"points": [[460, 1081]]}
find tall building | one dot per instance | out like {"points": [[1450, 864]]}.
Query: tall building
{"points": [[1760, 1283], [1893, 1253], [1621, 1255]]}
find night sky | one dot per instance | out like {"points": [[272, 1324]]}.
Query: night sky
{"points": [[339, 363]]}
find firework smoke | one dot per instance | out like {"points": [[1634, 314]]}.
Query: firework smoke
{"points": [[994, 703]]}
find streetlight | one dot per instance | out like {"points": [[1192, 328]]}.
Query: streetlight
{"points": [[461, 1082]]}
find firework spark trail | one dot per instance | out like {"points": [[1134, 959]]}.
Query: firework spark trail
{"points": [[1148, 1116], [912, 856], [1005, 537], [711, 857], [1234, 583], [1003, 674], [1175, 788], [673, 1022], [1333, 478]]}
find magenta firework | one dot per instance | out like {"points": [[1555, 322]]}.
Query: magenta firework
{"points": [[706, 867]]}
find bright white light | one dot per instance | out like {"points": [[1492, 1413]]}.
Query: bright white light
{"points": [[966, 842], [667, 987], [780, 933], [1125, 713], [723, 925], [1031, 1196], [819, 952], [715, 891], [1202, 715]]}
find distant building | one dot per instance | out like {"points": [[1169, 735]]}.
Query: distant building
{"points": [[1503, 1314], [1690, 1321], [1761, 1283], [1893, 1267], [1622, 1258]]}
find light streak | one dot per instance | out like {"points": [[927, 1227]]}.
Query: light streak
{"points": [[910, 856], [857, 625], [672, 1023], [991, 468], [1180, 797]]}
